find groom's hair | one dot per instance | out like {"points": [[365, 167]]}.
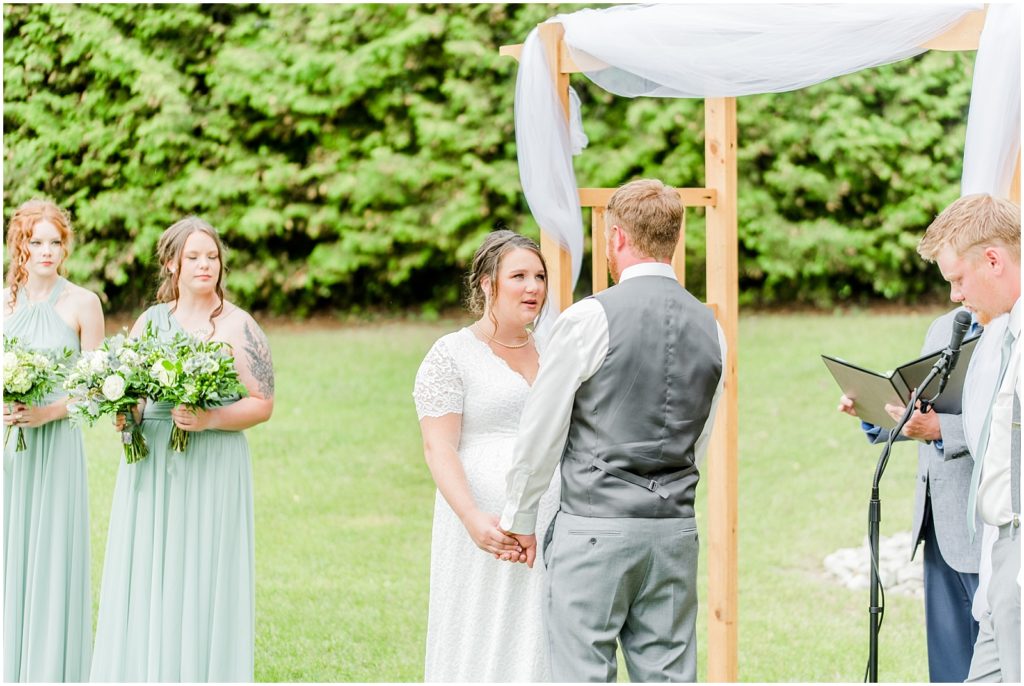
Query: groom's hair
{"points": [[650, 213]]}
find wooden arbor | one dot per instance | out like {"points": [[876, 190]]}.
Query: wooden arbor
{"points": [[719, 197]]}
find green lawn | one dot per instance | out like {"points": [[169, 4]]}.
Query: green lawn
{"points": [[344, 503]]}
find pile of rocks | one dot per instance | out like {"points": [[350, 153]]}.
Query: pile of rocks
{"points": [[851, 566]]}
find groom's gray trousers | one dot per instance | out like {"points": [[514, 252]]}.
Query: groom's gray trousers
{"points": [[628, 578]]}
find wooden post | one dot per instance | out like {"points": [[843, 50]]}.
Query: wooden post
{"points": [[1015, 183], [598, 254], [722, 464], [558, 259], [679, 256]]}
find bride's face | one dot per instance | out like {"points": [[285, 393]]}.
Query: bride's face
{"points": [[522, 288]]}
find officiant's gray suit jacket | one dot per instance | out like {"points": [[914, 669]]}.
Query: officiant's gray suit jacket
{"points": [[945, 474]]}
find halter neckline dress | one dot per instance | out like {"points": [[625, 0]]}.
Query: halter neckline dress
{"points": [[47, 594]]}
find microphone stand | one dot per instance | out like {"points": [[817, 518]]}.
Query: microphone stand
{"points": [[943, 366]]}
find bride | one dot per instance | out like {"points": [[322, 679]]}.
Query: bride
{"points": [[469, 393]]}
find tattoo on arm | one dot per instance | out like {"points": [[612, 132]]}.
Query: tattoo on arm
{"points": [[259, 360]]}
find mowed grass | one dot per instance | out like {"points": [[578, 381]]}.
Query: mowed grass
{"points": [[344, 504]]}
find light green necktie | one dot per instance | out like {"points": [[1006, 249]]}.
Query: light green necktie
{"points": [[979, 456]]}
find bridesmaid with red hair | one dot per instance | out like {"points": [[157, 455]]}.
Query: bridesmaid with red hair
{"points": [[47, 596]]}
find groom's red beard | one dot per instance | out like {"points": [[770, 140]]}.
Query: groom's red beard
{"points": [[613, 266]]}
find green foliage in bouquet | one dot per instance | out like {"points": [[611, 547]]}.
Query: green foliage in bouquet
{"points": [[196, 373], [112, 380], [29, 376]]}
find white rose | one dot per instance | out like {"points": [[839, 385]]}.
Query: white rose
{"points": [[97, 361], [10, 362], [163, 371], [113, 387]]}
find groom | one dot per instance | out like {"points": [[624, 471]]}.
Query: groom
{"points": [[625, 399]]}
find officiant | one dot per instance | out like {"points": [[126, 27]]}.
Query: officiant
{"points": [[951, 558]]}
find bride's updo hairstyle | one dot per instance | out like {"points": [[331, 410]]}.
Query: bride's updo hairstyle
{"points": [[169, 252], [487, 262], [19, 233]]}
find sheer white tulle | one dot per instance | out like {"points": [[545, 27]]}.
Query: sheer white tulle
{"points": [[993, 124], [725, 50]]}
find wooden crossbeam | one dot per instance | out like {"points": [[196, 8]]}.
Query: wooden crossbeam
{"points": [[566, 63], [964, 35], [691, 197]]}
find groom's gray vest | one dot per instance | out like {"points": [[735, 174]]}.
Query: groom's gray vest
{"points": [[630, 449]]}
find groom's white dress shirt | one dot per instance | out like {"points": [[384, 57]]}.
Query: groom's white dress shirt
{"points": [[994, 502], [576, 349]]}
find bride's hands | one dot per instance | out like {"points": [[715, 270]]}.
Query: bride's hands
{"points": [[483, 529]]}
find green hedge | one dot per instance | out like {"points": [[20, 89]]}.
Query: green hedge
{"points": [[354, 155]]}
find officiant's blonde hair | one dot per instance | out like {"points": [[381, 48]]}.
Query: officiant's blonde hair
{"points": [[973, 221], [650, 213]]}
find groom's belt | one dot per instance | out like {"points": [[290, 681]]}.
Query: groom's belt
{"points": [[654, 486]]}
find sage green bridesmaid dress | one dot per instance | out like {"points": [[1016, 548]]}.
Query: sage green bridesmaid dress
{"points": [[177, 601], [47, 597]]}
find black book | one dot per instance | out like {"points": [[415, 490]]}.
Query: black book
{"points": [[870, 391]]}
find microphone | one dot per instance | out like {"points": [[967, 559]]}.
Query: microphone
{"points": [[961, 324], [947, 361]]}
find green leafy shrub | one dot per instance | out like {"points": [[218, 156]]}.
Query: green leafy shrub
{"points": [[354, 155]]}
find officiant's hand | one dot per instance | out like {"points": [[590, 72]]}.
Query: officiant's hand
{"points": [[920, 427], [483, 529], [846, 406]]}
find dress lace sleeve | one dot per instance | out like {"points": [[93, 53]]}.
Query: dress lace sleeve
{"points": [[438, 387]]}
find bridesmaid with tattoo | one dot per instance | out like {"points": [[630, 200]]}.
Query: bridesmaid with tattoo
{"points": [[177, 601]]}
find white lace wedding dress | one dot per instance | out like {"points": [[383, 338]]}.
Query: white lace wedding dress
{"points": [[485, 619]]}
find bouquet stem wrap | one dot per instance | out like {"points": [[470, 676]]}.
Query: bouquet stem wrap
{"points": [[132, 440]]}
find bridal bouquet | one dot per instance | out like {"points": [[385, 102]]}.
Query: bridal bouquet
{"points": [[194, 373], [112, 380], [28, 377]]}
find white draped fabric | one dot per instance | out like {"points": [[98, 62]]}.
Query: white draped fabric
{"points": [[724, 50], [993, 123]]}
